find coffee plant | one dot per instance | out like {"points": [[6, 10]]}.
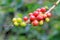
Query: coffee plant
{"points": [[29, 21]]}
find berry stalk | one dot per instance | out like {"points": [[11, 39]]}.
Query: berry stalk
{"points": [[49, 9], [53, 6], [38, 17]]}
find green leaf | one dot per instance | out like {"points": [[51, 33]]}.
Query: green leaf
{"points": [[20, 15], [22, 38]]}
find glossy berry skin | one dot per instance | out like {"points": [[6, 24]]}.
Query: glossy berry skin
{"points": [[16, 24], [44, 16], [49, 14], [30, 14], [41, 22], [19, 20], [47, 19], [43, 9], [32, 18], [35, 13], [39, 10], [39, 17], [14, 20], [25, 18], [23, 24], [41, 14], [35, 23]]}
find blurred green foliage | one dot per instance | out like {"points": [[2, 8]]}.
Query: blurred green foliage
{"points": [[32, 33]]}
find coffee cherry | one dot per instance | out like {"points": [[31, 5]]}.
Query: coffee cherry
{"points": [[39, 10], [30, 14], [19, 20], [48, 14], [14, 20], [25, 18], [41, 22], [47, 19], [39, 17], [23, 24], [35, 23], [41, 14], [44, 16], [43, 9], [32, 18], [35, 13], [16, 24]]}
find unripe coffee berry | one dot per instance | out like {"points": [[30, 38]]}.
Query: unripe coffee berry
{"points": [[47, 19], [23, 24], [19, 20]]}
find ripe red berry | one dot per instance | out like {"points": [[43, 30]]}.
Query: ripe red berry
{"points": [[43, 9], [35, 13], [39, 17], [30, 14], [48, 14], [44, 16], [35, 23], [41, 14], [25, 18], [39, 10], [32, 18]]}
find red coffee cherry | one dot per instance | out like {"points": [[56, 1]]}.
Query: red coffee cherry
{"points": [[35, 13], [30, 14], [35, 23], [43, 9], [49, 14], [25, 18], [32, 18], [39, 17]]}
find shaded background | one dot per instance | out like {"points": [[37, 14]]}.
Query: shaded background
{"points": [[19, 8]]}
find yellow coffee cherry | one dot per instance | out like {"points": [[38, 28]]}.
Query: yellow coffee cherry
{"points": [[14, 20], [23, 24], [19, 20], [16, 24], [41, 22], [47, 19]]}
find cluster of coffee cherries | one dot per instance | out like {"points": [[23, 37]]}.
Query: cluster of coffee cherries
{"points": [[38, 17], [19, 22]]}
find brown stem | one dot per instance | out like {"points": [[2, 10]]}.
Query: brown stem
{"points": [[53, 6], [49, 9]]}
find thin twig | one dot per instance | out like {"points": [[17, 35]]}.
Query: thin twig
{"points": [[49, 9], [53, 6]]}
